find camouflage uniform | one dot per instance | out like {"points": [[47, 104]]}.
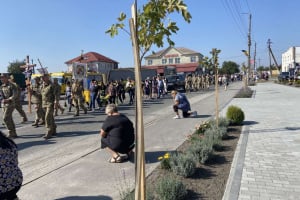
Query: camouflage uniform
{"points": [[36, 98], [9, 94], [188, 83], [194, 82], [48, 99], [77, 90], [18, 105], [57, 89], [207, 82]]}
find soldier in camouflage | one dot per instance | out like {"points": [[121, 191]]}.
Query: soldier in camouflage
{"points": [[9, 94], [77, 96], [18, 105], [48, 99], [35, 91], [57, 90]]}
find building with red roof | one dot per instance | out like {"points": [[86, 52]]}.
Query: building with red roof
{"points": [[185, 60], [95, 62]]}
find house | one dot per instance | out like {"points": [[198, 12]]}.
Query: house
{"points": [[96, 63], [185, 60], [291, 60]]}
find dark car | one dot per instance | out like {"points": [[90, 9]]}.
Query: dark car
{"points": [[175, 82], [284, 76]]}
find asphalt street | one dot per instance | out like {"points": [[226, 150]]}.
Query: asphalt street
{"points": [[72, 165]]}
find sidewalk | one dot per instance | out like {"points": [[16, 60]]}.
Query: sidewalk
{"points": [[266, 164]]}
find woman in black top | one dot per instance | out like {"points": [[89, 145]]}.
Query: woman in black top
{"points": [[10, 173], [117, 134]]}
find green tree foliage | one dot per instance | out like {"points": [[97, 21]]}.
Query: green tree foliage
{"points": [[261, 69], [14, 67], [154, 24], [207, 64], [230, 67]]}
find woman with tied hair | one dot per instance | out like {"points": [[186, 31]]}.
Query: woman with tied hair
{"points": [[117, 134], [11, 177]]}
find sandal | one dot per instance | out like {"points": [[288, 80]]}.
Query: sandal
{"points": [[116, 159]]}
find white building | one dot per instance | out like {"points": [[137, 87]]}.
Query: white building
{"points": [[291, 60]]}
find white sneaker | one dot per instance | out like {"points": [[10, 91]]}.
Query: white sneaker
{"points": [[176, 117]]}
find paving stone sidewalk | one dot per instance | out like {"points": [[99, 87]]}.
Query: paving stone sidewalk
{"points": [[266, 164]]}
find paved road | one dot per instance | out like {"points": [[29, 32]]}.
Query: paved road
{"points": [[72, 166], [267, 158]]}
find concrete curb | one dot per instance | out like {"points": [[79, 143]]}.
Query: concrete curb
{"points": [[234, 179]]}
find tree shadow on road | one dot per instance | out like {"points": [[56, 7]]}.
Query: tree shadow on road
{"points": [[85, 198], [77, 133]]}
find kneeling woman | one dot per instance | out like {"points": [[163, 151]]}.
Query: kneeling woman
{"points": [[117, 134]]}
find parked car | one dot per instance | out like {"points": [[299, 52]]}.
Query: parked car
{"points": [[284, 76], [175, 82]]}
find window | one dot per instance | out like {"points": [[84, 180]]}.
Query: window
{"points": [[149, 62], [164, 61], [193, 59], [177, 60], [170, 60]]}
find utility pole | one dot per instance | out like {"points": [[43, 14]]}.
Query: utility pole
{"points": [[249, 49], [270, 61], [254, 58]]}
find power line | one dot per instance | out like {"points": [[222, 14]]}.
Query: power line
{"points": [[229, 9]]}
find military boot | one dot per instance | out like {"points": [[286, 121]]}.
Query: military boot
{"points": [[48, 135], [12, 134], [42, 123], [24, 120], [36, 123], [54, 133]]}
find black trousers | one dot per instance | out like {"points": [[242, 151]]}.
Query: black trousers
{"points": [[10, 195], [184, 113]]}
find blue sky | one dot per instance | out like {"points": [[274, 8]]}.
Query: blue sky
{"points": [[56, 31]]}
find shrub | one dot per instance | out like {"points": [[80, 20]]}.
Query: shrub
{"points": [[244, 93], [200, 129], [223, 122], [170, 188], [202, 150], [213, 139], [183, 164], [165, 161], [235, 115], [220, 132]]}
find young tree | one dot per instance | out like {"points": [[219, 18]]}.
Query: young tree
{"points": [[154, 24], [148, 28]]}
